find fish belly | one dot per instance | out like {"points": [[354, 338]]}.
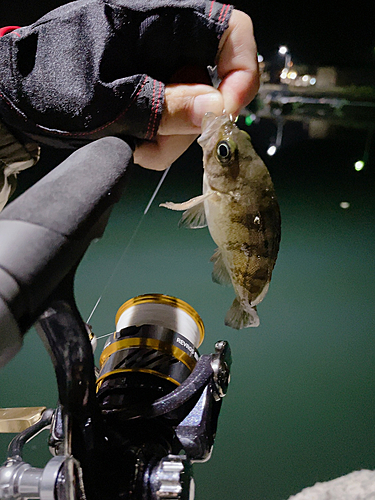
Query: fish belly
{"points": [[244, 249]]}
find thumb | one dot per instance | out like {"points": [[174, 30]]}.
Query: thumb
{"points": [[185, 105]]}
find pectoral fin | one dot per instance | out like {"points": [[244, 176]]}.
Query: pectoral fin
{"points": [[186, 205], [220, 273], [238, 318], [194, 218]]}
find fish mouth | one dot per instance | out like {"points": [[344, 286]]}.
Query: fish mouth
{"points": [[207, 120], [211, 124]]}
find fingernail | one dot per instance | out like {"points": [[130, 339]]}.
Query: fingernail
{"points": [[204, 103]]}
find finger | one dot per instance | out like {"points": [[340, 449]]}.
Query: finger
{"points": [[161, 153], [184, 108], [238, 89], [238, 64]]}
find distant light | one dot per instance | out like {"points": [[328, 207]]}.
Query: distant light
{"points": [[283, 50], [271, 150], [344, 204], [284, 74], [260, 58], [358, 165], [292, 75], [305, 78], [250, 119], [312, 81]]}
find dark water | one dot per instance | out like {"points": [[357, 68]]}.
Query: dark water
{"points": [[300, 405]]}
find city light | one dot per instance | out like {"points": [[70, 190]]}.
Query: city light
{"points": [[344, 205], [249, 120], [358, 165], [283, 50], [260, 58], [271, 150], [292, 77], [284, 74]]}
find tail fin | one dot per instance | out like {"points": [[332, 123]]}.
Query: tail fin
{"points": [[238, 318]]}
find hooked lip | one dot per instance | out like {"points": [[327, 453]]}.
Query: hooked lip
{"points": [[208, 128], [210, 124], [207, 120]]}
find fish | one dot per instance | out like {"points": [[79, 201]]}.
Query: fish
{"points": [[240, 208]]}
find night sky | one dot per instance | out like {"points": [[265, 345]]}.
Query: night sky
{"points": [[321, 33], [317, 33]]}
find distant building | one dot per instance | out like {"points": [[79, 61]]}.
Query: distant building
{"points": [[326, 77]]}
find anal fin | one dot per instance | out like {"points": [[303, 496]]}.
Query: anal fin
{"points": [[220, 273]]}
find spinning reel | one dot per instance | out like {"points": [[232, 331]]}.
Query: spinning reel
{"points": [[158, 402]]}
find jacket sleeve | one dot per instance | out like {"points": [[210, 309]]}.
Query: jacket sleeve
{"points": [[99, 67]]}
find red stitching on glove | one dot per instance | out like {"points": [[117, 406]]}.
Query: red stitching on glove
{"points": [[223, 13], [8, 29], [153, 119]]}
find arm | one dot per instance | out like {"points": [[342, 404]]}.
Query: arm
{"points": [[93, 68], [115, 83]]}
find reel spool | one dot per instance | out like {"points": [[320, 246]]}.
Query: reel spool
{"points": [[153, 350]]}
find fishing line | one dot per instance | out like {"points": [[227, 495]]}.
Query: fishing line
{"points": [[103, 336], [153, 196], [116, 267], [156, 190]]}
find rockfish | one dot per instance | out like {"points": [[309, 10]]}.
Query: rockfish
{"points": [[240, 208]]}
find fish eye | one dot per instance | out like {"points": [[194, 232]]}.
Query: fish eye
{"points": [[224, 151]]}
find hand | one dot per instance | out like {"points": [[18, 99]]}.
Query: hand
{"points": [[186, 104]]}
